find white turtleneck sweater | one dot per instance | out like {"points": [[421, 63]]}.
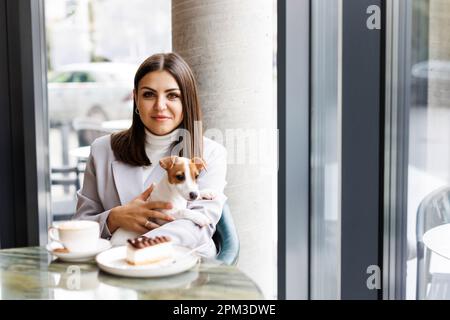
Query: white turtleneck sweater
{"points": [[157, 147]]}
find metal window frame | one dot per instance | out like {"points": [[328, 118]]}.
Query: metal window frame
{"points": [[6, 220], [361, 157], [325, 127], [294, 148], [398, 53], [26, 146], [362, 150]]}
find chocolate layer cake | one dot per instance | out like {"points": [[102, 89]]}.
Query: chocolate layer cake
{"points": [[144, 250]]}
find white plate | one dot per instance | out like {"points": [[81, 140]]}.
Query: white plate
{"points": [[113, 261], [102, 245]]}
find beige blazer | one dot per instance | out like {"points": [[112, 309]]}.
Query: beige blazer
{"points": [[109, 183]]}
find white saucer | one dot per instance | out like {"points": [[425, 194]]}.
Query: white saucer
{"points": [[102, 245], [113, 261]]}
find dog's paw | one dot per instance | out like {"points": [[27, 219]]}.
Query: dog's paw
{"points": [[200, 219], [207, 194]]}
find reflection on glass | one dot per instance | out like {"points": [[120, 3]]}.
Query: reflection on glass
{"points": [[429, 145], [93, 50], [325, 238]]}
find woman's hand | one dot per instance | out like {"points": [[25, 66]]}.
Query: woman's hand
{"points": [[135, 215]]}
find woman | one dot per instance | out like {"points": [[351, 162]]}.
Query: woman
{"points": [[122, 167]]}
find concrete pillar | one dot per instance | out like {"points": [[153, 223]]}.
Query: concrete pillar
{"points": [[230, 46], [438, 115], [439, 49]]}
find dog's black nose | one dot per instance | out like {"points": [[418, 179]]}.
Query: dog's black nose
{"points": [[193, 195]]}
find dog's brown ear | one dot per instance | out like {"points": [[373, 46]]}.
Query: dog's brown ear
{"points": [[168, 162], [199, 163]]}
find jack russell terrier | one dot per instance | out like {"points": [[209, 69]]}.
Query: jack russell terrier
{"points": [[178, 187]]}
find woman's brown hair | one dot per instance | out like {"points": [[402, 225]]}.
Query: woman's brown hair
{"points": [[129, 145]]}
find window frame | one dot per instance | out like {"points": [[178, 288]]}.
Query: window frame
{"points": [[28, 206], [397, 96], [294, 148]]}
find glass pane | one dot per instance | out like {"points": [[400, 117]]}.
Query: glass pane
{"points": [[325, 237], [93, 50], [429, 148]]}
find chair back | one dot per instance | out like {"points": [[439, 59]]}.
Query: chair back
{"points": [[88, 130], [63, 208], [434, 210], [226, 238]]}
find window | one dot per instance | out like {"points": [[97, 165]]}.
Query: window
{"points": [[418, 93], [429, 143], [90, 78]]}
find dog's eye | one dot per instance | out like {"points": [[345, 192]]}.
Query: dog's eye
{"points": [[180, 177], [196, 176]]}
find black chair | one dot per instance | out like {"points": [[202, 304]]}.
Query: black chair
{"points": [[66, 180], [66, 176], [88, 130]]}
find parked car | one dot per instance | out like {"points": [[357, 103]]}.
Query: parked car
{"points": [[421, 73], [101, 91], [432, 69]]}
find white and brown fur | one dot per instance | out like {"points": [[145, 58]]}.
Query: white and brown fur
{"points": [[178, 186]]}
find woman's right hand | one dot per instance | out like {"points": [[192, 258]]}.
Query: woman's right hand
{"points": [[135, 215]]}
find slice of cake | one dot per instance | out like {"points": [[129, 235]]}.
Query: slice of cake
{"points": [[144, 250]]}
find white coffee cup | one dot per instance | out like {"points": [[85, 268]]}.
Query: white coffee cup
{"points": [[76, 235]]}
